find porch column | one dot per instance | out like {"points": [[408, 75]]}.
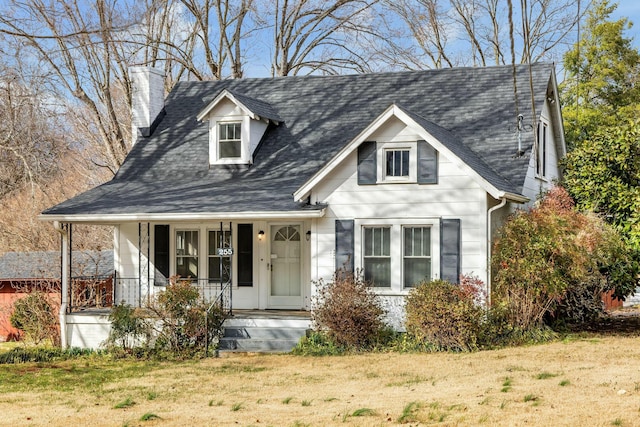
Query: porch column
{"points": [[64, 281]]}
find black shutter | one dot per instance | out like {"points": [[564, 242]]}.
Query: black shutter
{"points": [[450, 250], [161, 254], [367, 170], [427, 163], [344, 244], [244, 253]]}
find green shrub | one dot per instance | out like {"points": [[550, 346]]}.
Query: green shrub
{"points": [[42, 354], [445, 315], [128, 328], [553, 262], [348, 311], [35, 315]]}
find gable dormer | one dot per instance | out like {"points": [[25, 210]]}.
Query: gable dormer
{"points": [[236, 126]]}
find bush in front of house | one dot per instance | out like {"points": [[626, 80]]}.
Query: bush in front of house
{"points": [[348, 311], [552, 263], [129, 328], [35, 316], [177, 322], [183, 322], [444, 316]]}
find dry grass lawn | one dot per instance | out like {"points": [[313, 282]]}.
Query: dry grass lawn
{"points": [[592, 381]]}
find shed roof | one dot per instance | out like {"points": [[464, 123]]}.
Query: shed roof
{"points": [[46, 264]]}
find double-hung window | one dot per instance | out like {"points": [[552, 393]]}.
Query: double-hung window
{"points": [[416, 265], [377, 256], [541, 153], [229, 140], [397, 163], [219, 266], [187, 253]]}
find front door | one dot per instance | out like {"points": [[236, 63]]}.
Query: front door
{"points": [[286, 273]]}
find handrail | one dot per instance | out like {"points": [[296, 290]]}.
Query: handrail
{"points": [[109, 290]]}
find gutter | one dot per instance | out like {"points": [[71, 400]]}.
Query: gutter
{"points": [[150, 217], [489, 245], [64, 285]]}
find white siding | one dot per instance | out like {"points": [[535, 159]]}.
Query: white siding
{"points": [[455, 196], [87, 330], [534, 185]]}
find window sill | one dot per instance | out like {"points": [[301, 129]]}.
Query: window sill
{"points": [[398, 181], [388, 292], [233, 161]]}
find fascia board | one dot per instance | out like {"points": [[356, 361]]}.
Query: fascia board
{"points": [[302, 193], [393, 110], [224, 94], [205, 216]]}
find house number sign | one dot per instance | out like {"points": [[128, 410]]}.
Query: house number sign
{"points": [[225, 251]]}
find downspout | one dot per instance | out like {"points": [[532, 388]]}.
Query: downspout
{"points": [[64, 283], [489, 245]]}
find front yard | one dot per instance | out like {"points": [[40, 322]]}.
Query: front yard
{"points": [[586, 380]]}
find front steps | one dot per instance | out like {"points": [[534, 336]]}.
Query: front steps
{"points": [[263, 333]]}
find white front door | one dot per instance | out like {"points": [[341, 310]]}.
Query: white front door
{"points": [[286, 272]]}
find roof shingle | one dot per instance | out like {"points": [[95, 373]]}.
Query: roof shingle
{"points": [[168, 172]]}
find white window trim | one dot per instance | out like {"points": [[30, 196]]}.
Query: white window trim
{"points": [[209, 256], [397, 225], [203, 250], [430, 257], [540, 153], [383, 148], [214, 151], [174, 248]]}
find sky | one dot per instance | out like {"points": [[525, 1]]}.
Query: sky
{"points": [[630, 9]]}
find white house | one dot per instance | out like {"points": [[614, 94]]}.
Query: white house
{"points": [[271, 184]]}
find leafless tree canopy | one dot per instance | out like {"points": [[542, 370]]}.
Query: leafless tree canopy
{"points": [[65, 85]]}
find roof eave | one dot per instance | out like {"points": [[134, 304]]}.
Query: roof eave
{"points": [[394, 110], [203, 115], [202, 216]]}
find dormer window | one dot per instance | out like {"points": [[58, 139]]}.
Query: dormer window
{"points": [[237, 123], [230, 140]]}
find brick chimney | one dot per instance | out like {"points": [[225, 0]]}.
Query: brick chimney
{"points": [[147, 101]]}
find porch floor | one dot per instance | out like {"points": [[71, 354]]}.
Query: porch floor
{"points": [[271, 314]]}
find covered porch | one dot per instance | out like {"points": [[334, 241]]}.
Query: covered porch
{"points": [[252, 267]]}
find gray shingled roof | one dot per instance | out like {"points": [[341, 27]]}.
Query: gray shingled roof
{"points": [[261, 108], [473, 109], [46, 264]]}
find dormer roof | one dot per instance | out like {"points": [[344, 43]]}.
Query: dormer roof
{"points": [[254, 108]]}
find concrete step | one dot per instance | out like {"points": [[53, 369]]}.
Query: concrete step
{"points": [[258, 345], [253, 332], [262, 334]]}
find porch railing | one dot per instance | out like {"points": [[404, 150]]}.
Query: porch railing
{"points": [[105, 292]]}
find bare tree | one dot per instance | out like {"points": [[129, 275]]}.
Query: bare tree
{"points": [[310, 34], [472, 32], [79, 46], [193, 39], [31, 139], [22, 231]]}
